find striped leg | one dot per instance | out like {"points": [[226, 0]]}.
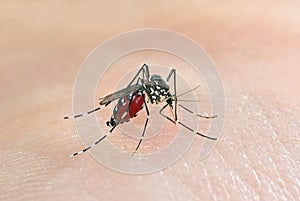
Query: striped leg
{"points": [[173, 72], [84, 114], [195, 132], [145, 73], [145, 126], [182, 124], [95, 143], [198, 115]]}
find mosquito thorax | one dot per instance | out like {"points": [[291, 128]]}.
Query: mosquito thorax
{"points": [[157, 89]]}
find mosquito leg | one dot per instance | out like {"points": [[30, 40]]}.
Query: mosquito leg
{"points": [[95, 143], [196, 132], [198, 115], [145, 126], [83, 114], [145, 70], [173, 72], [182, 124], [165, 116]]}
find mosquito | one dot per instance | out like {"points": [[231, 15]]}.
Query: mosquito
{"points": [[143, 89]]}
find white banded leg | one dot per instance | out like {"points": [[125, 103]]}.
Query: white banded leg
{"points": [[173, 72], [83, 114], [145, 126], [198, 115], [182, 124], [195, 132], [95, 143], [145, 74]]}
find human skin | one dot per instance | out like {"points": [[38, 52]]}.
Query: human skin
{"points": [[255, 47]]}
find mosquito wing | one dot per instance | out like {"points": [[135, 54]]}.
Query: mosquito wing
{"points": [[119, 94]]}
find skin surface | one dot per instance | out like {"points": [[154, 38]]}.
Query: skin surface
{"points": [[255, 46]]}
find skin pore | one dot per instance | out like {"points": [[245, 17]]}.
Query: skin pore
{"points": [[255, 46]]}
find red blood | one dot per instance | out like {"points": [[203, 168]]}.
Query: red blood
{"points": [[136, 105], [121, 113]]}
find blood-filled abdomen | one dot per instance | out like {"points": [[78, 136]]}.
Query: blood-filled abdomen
{"points": [[136, 105], [127, 108]]}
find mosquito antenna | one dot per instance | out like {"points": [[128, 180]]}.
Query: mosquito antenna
{"points": [[188, 91], [183, 100], [198, 115]]}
